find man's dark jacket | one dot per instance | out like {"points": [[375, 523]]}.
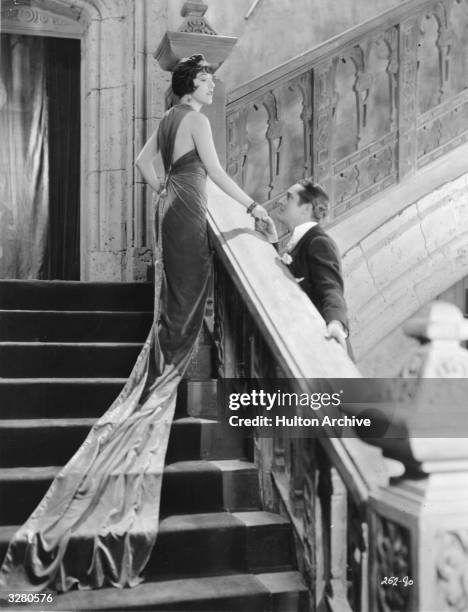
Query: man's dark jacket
{"points": [[316, 259]]}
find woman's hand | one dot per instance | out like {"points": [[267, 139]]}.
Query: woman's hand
{"points": [[259, 212], [267, 228]]}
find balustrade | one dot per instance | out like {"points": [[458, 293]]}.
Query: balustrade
{"points": [[365, 542], [358, 113]]}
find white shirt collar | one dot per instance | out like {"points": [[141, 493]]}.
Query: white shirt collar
{"points": [[298, 232]]}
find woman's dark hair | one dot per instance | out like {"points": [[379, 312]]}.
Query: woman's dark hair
{"points": [[186, 71]]}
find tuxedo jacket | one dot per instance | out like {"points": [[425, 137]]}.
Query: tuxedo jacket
{"points": [[316, 260]]}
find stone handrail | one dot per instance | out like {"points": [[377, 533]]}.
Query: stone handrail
{"points": [[266, 328]]}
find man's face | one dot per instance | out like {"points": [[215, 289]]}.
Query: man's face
{"points": [[291, 212]]}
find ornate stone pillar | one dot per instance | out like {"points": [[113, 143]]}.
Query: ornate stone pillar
{"points": [[419, 523]]}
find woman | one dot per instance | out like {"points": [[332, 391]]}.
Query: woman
{"points": [[98, 522]]}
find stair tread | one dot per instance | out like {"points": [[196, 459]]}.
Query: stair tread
{"points": [[67, 344], [41, 311], [193, 522], [200, 465], [79, 421], [61, 381], [190, 590], [213, 465]]}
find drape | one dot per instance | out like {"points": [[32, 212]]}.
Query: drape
{"points": [[63, 93], [24, 190]]}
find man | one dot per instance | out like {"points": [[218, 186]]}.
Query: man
{"points": [[314, 257]]}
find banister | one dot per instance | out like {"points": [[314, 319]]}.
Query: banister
{"points": [[291, 326]]}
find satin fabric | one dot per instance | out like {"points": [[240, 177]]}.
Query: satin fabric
{"points": [[98, 522]]}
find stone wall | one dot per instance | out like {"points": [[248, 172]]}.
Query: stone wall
{"points": [[278, 30], [392, 272]]}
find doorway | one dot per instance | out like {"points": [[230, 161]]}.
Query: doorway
{"points": [[40, 170]]}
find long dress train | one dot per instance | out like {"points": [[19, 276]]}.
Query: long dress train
{"points": [[98, 522]]}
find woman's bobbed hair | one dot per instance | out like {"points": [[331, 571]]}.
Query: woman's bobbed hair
{"points": [[186, 71]]}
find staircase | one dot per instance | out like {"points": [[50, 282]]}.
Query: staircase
{"points": [[66, 349]]}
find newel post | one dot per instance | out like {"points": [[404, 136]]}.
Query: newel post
{"points": [[419, 523], [195, 35]]}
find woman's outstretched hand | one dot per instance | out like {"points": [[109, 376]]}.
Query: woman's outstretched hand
{"points": [[267, 228], [259, 212]]}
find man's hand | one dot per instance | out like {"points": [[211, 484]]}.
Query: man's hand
{"points": [[267, 228], [336, 331]]}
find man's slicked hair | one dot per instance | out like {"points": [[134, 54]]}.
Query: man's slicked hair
{"points": [[311, 193], [186, 71]]}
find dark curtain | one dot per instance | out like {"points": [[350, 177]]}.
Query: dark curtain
{"points": [[24, 184], [63, 91]]}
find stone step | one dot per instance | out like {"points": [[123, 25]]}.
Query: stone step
{"points": [[266, 592], [74, 326], [39, 398], [36, 442], [188, 486], [75, 295], [71, 359], [220, 542]]}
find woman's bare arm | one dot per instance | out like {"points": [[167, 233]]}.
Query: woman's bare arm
{"points": [[145, 162], [203, 139]]}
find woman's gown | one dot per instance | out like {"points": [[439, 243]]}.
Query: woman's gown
{"points": [[98, 522]]}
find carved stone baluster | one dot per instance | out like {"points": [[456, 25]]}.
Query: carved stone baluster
{"points": [[407, 109], [324, 105], [224, 333], [338, 539], [392, 565], [278, 451], [296, 481]]}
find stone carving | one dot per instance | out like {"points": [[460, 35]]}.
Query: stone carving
{"points": [[325, 101], [357, 551], [363, 103], [442, 129], [440, 327], [237, 145], [392, 560], [452, 569], [407, 98], [274, 135], [195, 22], [25, 15], [197, 25]]}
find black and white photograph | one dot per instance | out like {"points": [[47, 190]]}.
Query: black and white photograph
{"points": [[234, 305]]}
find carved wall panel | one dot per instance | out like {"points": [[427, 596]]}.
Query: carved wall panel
{"points": [[379, 112], [429, 77], [392, 560], [363, 116], [289, 158], [458, 26], [325, 99], [256, 169], [346, 120], [452, 570], [365, 173], [357, 557]]}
